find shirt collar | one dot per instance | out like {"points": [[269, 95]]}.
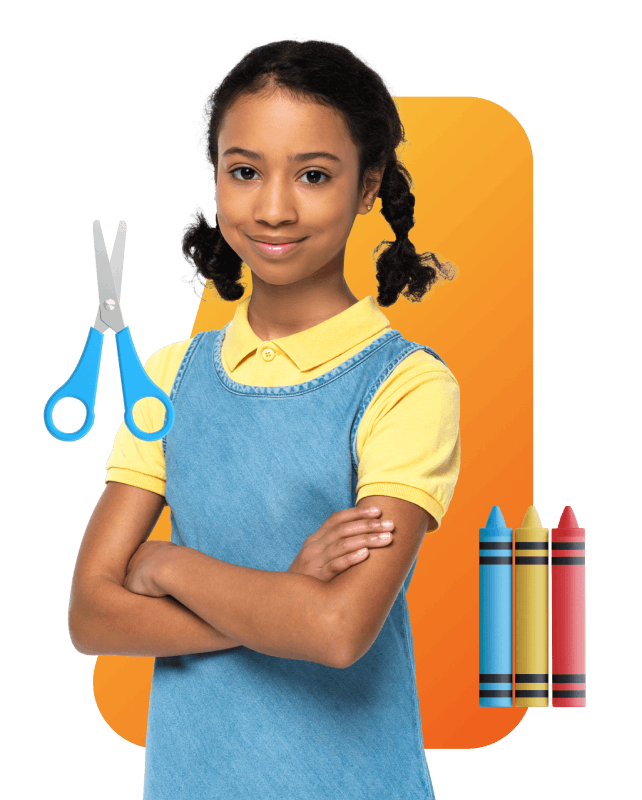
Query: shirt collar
{"points": [[310, 348]]}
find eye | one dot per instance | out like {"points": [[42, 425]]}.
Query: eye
{"points": [[309, 172], [317, 172]]}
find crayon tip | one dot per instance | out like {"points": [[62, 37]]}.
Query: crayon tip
{"points": [[567, 520], [495, 519], [531, 518]]}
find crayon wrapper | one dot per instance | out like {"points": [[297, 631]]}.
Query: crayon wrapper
{"points": [[568, 621]]}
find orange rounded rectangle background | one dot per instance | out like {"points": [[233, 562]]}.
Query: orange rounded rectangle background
{"points": [[472, 170]]}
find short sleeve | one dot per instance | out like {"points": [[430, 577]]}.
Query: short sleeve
{"points": [[132, 460], [408, 442]]}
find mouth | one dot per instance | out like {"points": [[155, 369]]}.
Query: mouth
{"points": [[275, 249]]}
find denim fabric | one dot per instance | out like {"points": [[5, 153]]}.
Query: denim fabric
{"points": [[251, 472]]}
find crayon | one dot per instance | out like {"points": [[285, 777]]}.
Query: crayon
{"points": [[569, 620], [495, 612], [531, 612]]}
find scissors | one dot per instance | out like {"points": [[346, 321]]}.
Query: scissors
{"points": [[135, 382]]}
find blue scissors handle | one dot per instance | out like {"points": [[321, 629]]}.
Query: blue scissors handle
{"points": [[136, 385], [83, 385]]}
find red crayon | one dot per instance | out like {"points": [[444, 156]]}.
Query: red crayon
{"points": [[569, 626]]}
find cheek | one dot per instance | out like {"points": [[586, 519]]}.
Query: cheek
{"points": [[230, 207], [228, 212]]}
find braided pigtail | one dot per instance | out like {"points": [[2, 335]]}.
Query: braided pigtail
{"points": [[210, 258], [400, 268]]}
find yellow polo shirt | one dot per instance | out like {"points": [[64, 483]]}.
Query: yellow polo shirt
{"points": [[408, 442]]}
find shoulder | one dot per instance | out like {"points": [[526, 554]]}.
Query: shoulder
{"points": [[170, 352], [163, 365], [421, 363], [420, 383], [418, 378]]}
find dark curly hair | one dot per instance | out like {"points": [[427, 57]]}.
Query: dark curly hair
{"points": [[333, 76]]}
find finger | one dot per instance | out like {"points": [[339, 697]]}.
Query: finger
{"points": [[359, 526], [352, 544], [338, 565], [342, 516], [349, 514], [341, 553]]}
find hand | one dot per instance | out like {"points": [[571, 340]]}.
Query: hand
{"points": [[336, 546], [144, 565]]}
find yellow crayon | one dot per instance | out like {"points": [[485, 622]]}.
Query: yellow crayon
{"points": [[531, 612]]}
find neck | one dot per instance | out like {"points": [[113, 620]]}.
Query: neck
{"points": [[277, 311]]}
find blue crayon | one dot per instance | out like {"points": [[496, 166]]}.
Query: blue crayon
{"points": [[496, 612]]}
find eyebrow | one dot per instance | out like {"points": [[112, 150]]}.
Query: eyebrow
{"points": [[240, 151]]}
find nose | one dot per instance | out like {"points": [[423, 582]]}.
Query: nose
{"points": [[275, 203]]}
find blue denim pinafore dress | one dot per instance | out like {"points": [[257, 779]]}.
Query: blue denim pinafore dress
{"points": [[251, 472]]}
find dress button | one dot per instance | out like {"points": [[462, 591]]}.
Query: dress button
{"points": [[268, 354]]}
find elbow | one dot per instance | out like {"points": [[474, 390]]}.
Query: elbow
{"points": [[350, 654], [90, 618], [336, 660], [344, 647], [77, 633], [342, 661], [81, 649], [347, 643], [343, 655], [74, 632]]}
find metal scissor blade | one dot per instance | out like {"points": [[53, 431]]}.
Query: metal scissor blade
{"points": [[109, 276]]}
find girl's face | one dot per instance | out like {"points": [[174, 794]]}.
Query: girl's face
{"points": [[286, 187]]}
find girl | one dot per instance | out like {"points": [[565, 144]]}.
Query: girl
{"points": [[306, 430]]}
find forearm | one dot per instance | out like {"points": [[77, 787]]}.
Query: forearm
{"points": [[110, 620], [277, 613]]}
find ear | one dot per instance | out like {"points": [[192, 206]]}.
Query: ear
{"points": [[373, 184]]}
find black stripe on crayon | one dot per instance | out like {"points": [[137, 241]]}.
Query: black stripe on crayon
{"points": [[566, 693], [567, 546], [569, 678], [532, 559], [496, 560], [495, 693], [531, 545], [579, 560], [528, 678], [496, 678], [531, 693]]}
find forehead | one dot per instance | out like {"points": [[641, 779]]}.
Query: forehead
{"points": [[278, 125]]}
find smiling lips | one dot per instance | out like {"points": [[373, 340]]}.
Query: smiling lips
{"points": [[275, 241], [277, 248]]}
